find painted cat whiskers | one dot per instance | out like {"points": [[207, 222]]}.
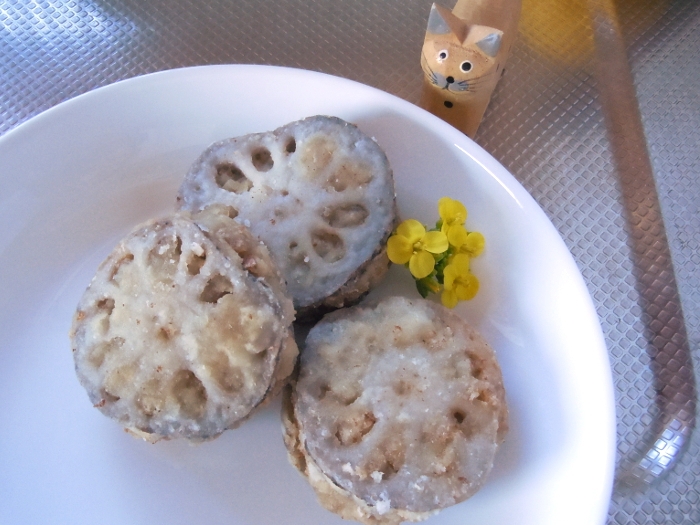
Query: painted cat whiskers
{"points": [[449, 83], [462, 63]]}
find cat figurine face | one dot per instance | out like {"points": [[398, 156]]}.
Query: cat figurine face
{"points": [[462, 64]]}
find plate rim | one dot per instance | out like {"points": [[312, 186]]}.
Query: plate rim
{"points": [[490, 164]]}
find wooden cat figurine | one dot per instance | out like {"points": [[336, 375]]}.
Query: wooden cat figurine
{"points": [[463, 59]]}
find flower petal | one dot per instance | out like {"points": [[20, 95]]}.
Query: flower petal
{"points": [[460, 262], [457, 235], [449, 274], [399, 249], [467, 288], [452, 211], [412, 230], [421, 264], [449, 298], [474, 244], [435, 242]]}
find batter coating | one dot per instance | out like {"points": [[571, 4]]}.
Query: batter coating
{"points": [[183, 331], [318, 192], [397, 411]]}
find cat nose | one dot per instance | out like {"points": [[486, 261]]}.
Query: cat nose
{"points": [[450, 80]]}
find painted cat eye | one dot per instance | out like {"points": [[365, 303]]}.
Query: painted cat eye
{"points": [[466, 66], [442, 55]]}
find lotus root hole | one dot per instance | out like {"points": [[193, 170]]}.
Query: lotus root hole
{"points": [[388, 459], [129, 257], [164, 258], [347, 216], [388, 469], [150, 399], [297, 253], [190, 394], [229, 378], [177, 252], [262, 159], [215, 289], [119, 379], [291, 146], [328, 245], [345, 396], [231, 212], [349, 400], [316, 154], [106, 304], [485, 397], [230, 178], [194, 265], [102, 350], [323, 390], [349, 176], [352, 429], [107, 398], [477, 367]]}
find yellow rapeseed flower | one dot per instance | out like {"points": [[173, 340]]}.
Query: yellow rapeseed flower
{"points": [[459, 283], [469, 243], [439, 259], [453, 215], [473, 245], [413, 245]]}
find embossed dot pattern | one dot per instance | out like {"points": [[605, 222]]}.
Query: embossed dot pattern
{"points": [[546, 123]]}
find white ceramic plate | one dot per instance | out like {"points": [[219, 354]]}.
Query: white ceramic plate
{"points": [[76, 178]]}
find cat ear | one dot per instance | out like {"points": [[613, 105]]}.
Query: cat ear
{"points": [[436, 22], [491, 43], [442, 22]]}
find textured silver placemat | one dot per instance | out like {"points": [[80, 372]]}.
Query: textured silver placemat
{"points": [[547, 123]]}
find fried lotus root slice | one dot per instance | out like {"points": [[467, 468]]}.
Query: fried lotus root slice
{"points": [[182, 333], [397, 411], [318, 192]]}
